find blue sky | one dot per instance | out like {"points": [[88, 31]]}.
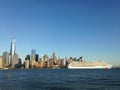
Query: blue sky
{"points": [[88, 28]]}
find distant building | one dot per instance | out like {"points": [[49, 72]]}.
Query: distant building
{"points": [[41, 63], [27, 64], [54, 58], [19, 65], [36, 57], [48, 64], [27, 57], [12, 50], [51, 61], [59, 62], [5, 58], [33, 57], [64, 62], [45, 59], [1, 63], [33, 64], [15, 60]]}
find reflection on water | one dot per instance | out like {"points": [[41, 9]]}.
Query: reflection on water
{"points": [[60, 79]]}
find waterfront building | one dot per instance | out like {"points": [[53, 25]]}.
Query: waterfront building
{"points": [[5, 58], [33, 54], [1, 63], [41, 63], [33, 64], [64, 62], [27, 57], [36, 57], [54, 58], [15, 60], [45, 57], [59, 62], [51, 61], [12, 50], [27, 64], [48, 64], [19, 65], [33, 57]]}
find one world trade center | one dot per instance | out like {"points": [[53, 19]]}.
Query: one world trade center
{"points": [[12, 50]]}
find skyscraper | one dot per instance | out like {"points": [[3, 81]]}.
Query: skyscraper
{"points": [[27, 57], [33, 54], [54, 58], [12, 50], [32, 61], [36, 57]]}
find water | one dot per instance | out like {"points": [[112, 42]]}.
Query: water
{"points": [[60, 79]]}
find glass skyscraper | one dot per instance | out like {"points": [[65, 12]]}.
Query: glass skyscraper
{"points": [[32, 61], [12, 50]]}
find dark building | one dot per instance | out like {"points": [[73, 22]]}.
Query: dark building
{"points": [[54, 58], [19, 65], [27, 57], [36, 57]]}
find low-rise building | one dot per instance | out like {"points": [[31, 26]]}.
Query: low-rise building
{"points": [[27, 65], [1, 63]]}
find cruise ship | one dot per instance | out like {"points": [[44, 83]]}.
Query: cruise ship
{"points": [[89, 65]]}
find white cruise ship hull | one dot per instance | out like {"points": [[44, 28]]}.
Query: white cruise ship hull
{"points": [[86, 65], [96, 67]]}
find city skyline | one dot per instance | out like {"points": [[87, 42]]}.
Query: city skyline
{"points": [[69, 28]]}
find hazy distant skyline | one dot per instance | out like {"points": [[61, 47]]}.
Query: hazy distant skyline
{"points": [[88, 28]]}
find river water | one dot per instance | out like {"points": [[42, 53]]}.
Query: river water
{"points": [[60, 79]]}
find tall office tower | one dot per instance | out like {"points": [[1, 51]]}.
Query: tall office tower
{"points": [[1, 63], [12, 50], [59, 62], [32, 61], [36, 57], [51, 61], [27, 57], [45, 59], [5, 58], [33, 54], [54, 58]]}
